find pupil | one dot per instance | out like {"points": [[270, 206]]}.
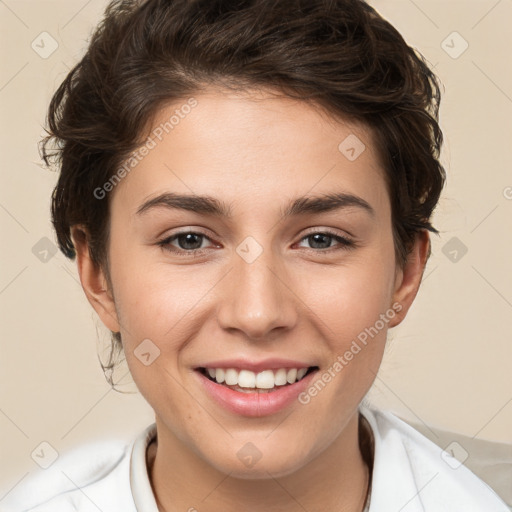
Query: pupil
{"points": [[315, 240], [189, 240]]}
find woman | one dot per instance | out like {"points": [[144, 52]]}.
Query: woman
{"points": [[247, 187]]}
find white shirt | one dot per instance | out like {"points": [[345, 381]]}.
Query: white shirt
{"points": [[410, 474]]}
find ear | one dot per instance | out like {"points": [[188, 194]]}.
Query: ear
{"points": [[94, 281], [408, 279]]}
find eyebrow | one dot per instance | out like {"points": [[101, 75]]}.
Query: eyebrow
{"points": [[208, 205]]}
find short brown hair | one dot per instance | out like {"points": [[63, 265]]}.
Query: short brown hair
{"points": [[340, 55]]}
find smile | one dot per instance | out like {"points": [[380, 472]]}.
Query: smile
{"points": [[247, 381], [255, 394]]}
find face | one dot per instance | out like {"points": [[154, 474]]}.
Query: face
{"points": [[258, 285]]}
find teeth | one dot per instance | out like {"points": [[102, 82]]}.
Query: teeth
{"points": [[246, 379], [291, 376], [266, 379], [301, 373], [219, 375], [231, 377], [280, 377]]}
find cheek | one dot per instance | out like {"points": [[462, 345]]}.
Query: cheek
{"points": [[160, 304], [158, 310], [352, 298], [356, 317]]}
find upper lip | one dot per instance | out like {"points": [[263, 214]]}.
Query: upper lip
{"points": [[256, 366]]}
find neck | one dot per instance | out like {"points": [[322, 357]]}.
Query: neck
{"points": [[336, 479]]}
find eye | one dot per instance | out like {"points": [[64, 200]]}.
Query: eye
{"points": [[191, 243], [188, 242], [321, 240]]}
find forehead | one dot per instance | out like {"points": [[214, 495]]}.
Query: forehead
{"points": [[253, 146]]}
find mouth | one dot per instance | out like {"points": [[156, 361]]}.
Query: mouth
{"points": [[247, 381], [254, 388]]}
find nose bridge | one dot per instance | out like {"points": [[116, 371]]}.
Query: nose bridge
{"points": [[258, 300]]}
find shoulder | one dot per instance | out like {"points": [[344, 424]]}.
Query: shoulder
{"points": [[415, 474], [91, 477]]}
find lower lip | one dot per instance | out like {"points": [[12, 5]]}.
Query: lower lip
{"points": [[254, 404]]}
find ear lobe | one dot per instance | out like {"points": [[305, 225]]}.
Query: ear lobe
{"points": [[408, 279], [93, 280]]}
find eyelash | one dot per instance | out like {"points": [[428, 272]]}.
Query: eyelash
{"points": [[345, 243]]}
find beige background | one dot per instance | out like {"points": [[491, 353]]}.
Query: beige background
{"points": [[447, 365]]}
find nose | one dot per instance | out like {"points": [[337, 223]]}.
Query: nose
{"points": [[257, 299]]}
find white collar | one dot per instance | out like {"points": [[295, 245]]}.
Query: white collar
{"points": [[142, 493]]}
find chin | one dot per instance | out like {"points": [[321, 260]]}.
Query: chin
{"points": [[278, 465]]}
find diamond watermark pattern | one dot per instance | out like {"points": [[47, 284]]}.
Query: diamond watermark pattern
{"points": [[454, 45], [44, 455], [249, 250], [44, 45], [249, 454], [146, 352], [44, 250], [454, 249], [454, 455], [351, 147]]}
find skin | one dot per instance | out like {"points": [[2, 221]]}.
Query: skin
{"points": [[256, 152]]}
